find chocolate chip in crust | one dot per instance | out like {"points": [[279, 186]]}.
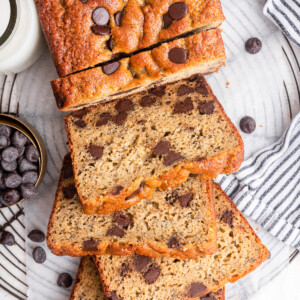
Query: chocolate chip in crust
{"points": [[178, 10], [172, 198], [227, 217], [113, 296], [68, 169], [96, 151], [116, 231], [80, 123], [125, 269], [90, 245], [100, 30], [206, 107], [152, 274], [183, 107], [121, 219], [141, 262], [161, 148], [177, 55], [208, 297], [120, 118], [124, 105], [118, 17], [117, 190], [69, 191], [167, 21], [185, 199], [201, 88], [174, 243], [172, 157], [147, 101], [100, 16], [184, 90], [110, 44], [60, 100], [158, 91], [104, 118], [111, 68], [197, 289], [80, 113]]}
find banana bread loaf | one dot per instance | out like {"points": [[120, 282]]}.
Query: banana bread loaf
{"points": [[139, 277], [179, 223], [123, 149], [88, 286], [200, 53], [81, 33]]}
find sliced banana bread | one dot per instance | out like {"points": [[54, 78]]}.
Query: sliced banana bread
{"points": [[179, 223], [88, 286], [123, 149], [200, 53], [139, 277]]}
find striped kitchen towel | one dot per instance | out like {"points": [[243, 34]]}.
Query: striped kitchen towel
{"points": [[285, 14], [267, 187]]}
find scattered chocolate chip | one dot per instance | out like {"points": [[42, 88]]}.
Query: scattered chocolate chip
{"points": [[100, 16], [172, 157], [80, 113], [117, 190], [177, 55], [69, 191], [18, 139], [111, 68], [124, 105], [36, 236], [12, 180], [120, 118], [5, 130], [141, 262], [28, 191], [253, 45], [167, 21], [7, 238], [185, 199], [158, 91], [247, 124], [10, 197], [25, 165], [96, 151], [80, 123], [104, 118], [197, 289], [110, 44], [68, 170], [121, 219], [178, 10], [152, 274], [118, 17], [206, 107], [161, 148], [4, 141], [90, 245], [39, 255], [172, 198], [100, 30], [184, 90], [64, 280], [124, 270], [116, 231], [183, 107], [113, 296], [10, 154], [174, 243], [9, 166], [227, 217], [147, 101]]}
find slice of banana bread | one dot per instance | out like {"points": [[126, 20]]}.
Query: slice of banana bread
{"points": [[82, 33], [123, 149], [179, 223], [200, 53], [88, 286], [139, 277]]}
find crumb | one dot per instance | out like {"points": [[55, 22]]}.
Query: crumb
{"points": [[227, 84], [260, 125]]}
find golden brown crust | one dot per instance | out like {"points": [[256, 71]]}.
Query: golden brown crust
{"points": [[206, 54], [77, 279], [74, 47]]}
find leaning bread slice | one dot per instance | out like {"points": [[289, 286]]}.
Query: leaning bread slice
{"points": [[179, 223], [123, 149], [200, 53], [88, 286], [240, 252]]}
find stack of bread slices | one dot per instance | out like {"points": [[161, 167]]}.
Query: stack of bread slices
{"points": [[146, 134]]}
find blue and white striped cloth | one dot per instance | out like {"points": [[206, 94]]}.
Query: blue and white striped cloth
{"points": [[267, 187], [285, 14]]}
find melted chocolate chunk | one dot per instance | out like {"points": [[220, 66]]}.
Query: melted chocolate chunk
{"points": [[172, 157], [120, 118], [147, 101], [69, 191], [100, 30], [141, 262], [201, 88], [206, 107], [64, 280], [118, 17], [178, 10], [60, 100], [184, 90], [80, 123], [117, 190], [177, 55], [124, 270], [161, 148], [90, 245], [185, 199], [96, 151], [174, 243], [197, 289], [183, 107], [80, 113], [158, 91], [167, 21], [100, 16], [152, 274], [110, 44], [121, 219], [116, 231], [104, 118], [68, 170], [111, 68], [124, 105], [227, 217]]}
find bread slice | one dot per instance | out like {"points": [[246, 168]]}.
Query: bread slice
{"points": [[137, 277], [200, 53], [179, 223], [123, 149], [88, 286], [132, 25]]}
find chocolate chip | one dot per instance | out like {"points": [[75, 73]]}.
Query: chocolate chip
{"points": [[185, 199], [100, 16], [200, 158], [10, 154], [147, 101], [28, 191], [90, 245], [172, 198], [116, 231], [80, 123], [178, 10], [25, 165], [118, 17], [158, 91], [124, 105], [18, 139], [206, 107], [9, 166], [201, 88], [167, 21], [177, 55], [7, 238], [121, 219], [4, 141], [12, 180], [174, 243], [117, 190], [172, 157], [184, 90], [84, 1], [120, 118], [10, 197], [39, 255], [5, 130], [80, 113], [36, 236], [124, 270], [68, 170], [183, 107], [209, 296], [100, 30], [21, 151], [104, 118], [113, 296], [96, 151], [152, 274], [227, 217], [110, 44], [247, 124], [111, 68], [253, 45], [141, 262], [197, 289], [30, 177], [161, 148], [60, 100], [64, 280], [69, 191]]}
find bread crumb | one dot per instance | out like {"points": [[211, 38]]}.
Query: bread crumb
{"points": [[227, 84]]}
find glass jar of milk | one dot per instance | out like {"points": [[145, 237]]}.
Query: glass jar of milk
{"points": [[21, 39]]}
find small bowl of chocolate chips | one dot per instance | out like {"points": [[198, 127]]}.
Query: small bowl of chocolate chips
{"points": [[23, 160]]}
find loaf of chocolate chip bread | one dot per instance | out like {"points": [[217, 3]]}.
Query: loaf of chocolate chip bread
{"points": [[140, 277], [179, 223], [124, 149], [88, 286], [81, 33], [200, 53]]}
